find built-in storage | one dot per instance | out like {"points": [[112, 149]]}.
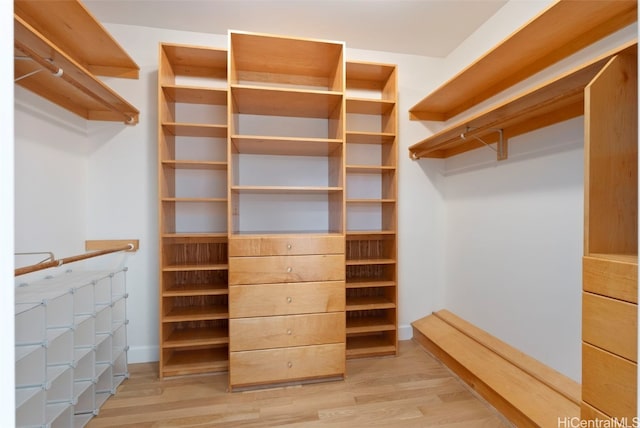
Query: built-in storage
{"points": [[71, 347], [192, 185], [610, 264], [286, 211], [61, 48], [269, 174], [371, 209]]}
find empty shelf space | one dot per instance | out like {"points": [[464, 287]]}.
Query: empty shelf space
{"points": [[194, 267], [364, 137], [369, 106], [285, 189], [368, 303], [363, 262], [196, 61], [197, 337], [369, 324], [183, 362], [370, 345], [196, 290], [370, 169], [195, 94], [178, 238], [197, 313], [370, 283]]}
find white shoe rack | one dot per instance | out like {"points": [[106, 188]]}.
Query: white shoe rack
{"points": [[71, 346]]}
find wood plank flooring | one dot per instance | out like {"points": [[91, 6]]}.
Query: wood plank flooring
{"points": [[411, 390]]}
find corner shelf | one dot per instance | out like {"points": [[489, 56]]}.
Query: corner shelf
{"points": [[556, 100], [559, 31], [48, 34]]}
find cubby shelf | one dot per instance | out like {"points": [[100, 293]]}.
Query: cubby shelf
{"points": [[195, 129], [536, 45], [195, 94], [285, 102], [292, 146], [197, 337]]}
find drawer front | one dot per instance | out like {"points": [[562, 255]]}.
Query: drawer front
{"points": [[612, 278], [287, 245], [257, 300], [610, 324], [286, 331], [248, 368], [274, 269], [608, 382]]}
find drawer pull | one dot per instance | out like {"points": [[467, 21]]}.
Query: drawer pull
{"points": [[289, 300], [289, 364], [289, 269], [289, 246], [289, 332]]}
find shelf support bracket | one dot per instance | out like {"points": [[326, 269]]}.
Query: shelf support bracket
{"points": [[502, 146]]}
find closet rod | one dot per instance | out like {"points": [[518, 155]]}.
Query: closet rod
{"points": [[48, 64], [59, 262]]}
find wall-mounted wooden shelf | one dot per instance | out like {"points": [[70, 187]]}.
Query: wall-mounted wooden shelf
{"points": [[559, 31], [65, 47], [556, 100]]}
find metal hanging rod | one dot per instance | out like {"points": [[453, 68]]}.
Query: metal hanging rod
{"points": [[59, 262]]}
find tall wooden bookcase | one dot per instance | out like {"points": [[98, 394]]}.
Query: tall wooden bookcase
{"points": [[610, 263], [277, 209], [192, 187], [371, 209]]}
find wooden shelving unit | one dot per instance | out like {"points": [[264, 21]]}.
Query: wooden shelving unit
{"points": [[60, 49], [556, 100], [192, 182], [562, 29], [286, 230], [610, 263], [371, 237]]}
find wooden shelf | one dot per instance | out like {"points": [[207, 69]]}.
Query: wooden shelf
{"points": [[195, 130], [370, 234], [370, 76], [194, 267], [271, 101], [191, 164], [291, 146], [197, 313], [197, 200], [197, 290], [368, 283], [373, 324], [368, 262], [370, 201], [556, 100], [295, 190], [370, 169], [623, 258], [76, 89], [561, 30], [197, 337], [362, 137], [187, 238], [369, 303]]}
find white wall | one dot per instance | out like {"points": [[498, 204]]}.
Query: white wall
{"points": [[7, 359]]}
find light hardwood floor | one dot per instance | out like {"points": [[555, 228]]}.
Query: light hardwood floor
{"points": [[411, 390]]}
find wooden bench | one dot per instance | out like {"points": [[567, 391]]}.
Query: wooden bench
{"points": [[527, 392]]}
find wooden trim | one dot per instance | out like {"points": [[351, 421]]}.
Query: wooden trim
{"points": [[524, 390]]}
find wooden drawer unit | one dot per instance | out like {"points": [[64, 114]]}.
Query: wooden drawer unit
{"points": [[287, 245], [259, 300], [612, 276], [610, 324], [252, 368], [609, 382], [274, 269], [285, 331], [286, 309]]}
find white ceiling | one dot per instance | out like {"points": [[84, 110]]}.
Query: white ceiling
{"points": [[421, 27]]}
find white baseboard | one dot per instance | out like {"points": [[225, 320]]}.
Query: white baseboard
{"points": [[142, 354], [405, 332]]}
